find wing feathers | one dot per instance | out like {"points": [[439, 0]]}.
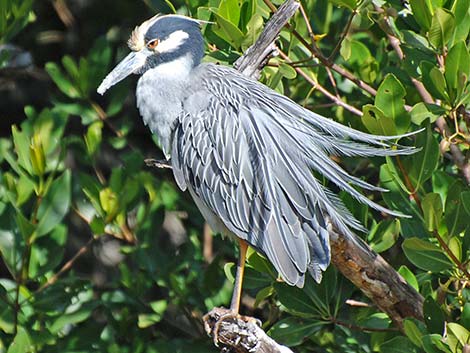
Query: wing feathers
{"points": [[247, 159]]}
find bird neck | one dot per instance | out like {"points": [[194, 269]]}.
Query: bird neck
{"points": [[177, 69]]}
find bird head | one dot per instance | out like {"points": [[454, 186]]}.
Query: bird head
{"points": [[159, 40]]}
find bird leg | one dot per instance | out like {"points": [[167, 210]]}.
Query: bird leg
{"points": [[237, 286], [232, 313]]}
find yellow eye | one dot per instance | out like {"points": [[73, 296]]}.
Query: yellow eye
{"points": [[152, 44]]}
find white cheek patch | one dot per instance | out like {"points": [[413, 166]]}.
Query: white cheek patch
{"points": [[173, 42]]}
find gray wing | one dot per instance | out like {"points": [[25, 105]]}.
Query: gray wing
{"points": [[246, 154]]}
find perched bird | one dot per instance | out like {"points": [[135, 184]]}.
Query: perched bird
{"points": [[245, 152]]}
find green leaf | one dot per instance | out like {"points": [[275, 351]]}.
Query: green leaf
{"points": [[460, 11], [409, 276], [345, 49], [26, 227], [457, 63], [21, 142], [432, 210], [228, 31], [55, 204], [350, 4], [424, 162], [439, 83], [422, 111], [376, 122], [296, 300], [390, 101], [263, 294], [433, 316], [426, 255], [398, 344], [21, 343], [422, 12], [384, 235], [79, 315], [287, 71], [230, 10], [465, 317], [455, 217], [412, 331], [434, 343], [460, 332], [442, 28], [110, 203], [455, 247], [93, 137], [293, 330], [61, 81]]}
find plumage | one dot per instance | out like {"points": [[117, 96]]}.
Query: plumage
{"points": [[246, 153]]}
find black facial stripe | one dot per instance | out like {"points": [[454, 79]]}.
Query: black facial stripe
{"points": [[164, 26]]}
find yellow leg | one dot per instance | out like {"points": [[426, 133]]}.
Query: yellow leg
{"points": [[237, 289]]}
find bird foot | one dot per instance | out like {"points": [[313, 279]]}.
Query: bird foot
{"points": [[220, 322]]}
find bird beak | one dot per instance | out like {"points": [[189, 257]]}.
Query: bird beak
{"points": [[129, 65]]}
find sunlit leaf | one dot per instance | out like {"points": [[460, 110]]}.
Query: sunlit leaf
{"points": [[442, 27]]}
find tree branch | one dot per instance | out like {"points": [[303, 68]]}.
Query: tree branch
{"points": [[375, 278], [240, 334]]}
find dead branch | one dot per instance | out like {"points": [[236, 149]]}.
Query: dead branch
{"points": [[239, 334]]}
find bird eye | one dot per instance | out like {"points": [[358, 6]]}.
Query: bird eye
{"points": [[152, 44]]}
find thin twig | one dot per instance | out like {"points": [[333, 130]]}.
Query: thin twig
{"points": [[449, 253], [457, 156], [343, 36], [321, 88], [327, 63], [67, 266]]}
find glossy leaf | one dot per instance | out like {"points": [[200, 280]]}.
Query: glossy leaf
{"points": [[377, 122], [433, 316], [457, 62], [426, 255], [432, 210], [409, 276], [390, 101], [413, 331], [422, 13], [21, 343], [61, 81], [424, 162], [456, 218], [293, 331], [384, 235], [398, 344], [55, 204], [442, 27]]}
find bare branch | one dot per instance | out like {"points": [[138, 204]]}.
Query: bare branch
{"points": [[256, 56], [239, 334]]}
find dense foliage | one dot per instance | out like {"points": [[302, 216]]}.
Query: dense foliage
{"points": [[101, 253]]}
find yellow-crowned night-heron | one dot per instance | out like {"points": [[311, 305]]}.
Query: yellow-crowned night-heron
{"points": [[245, 152]]}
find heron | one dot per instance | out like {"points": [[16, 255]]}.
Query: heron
{"points": [[246, 153]]}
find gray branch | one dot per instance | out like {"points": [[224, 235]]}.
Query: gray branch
{"points": [[256, 56], [240, 334]]}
